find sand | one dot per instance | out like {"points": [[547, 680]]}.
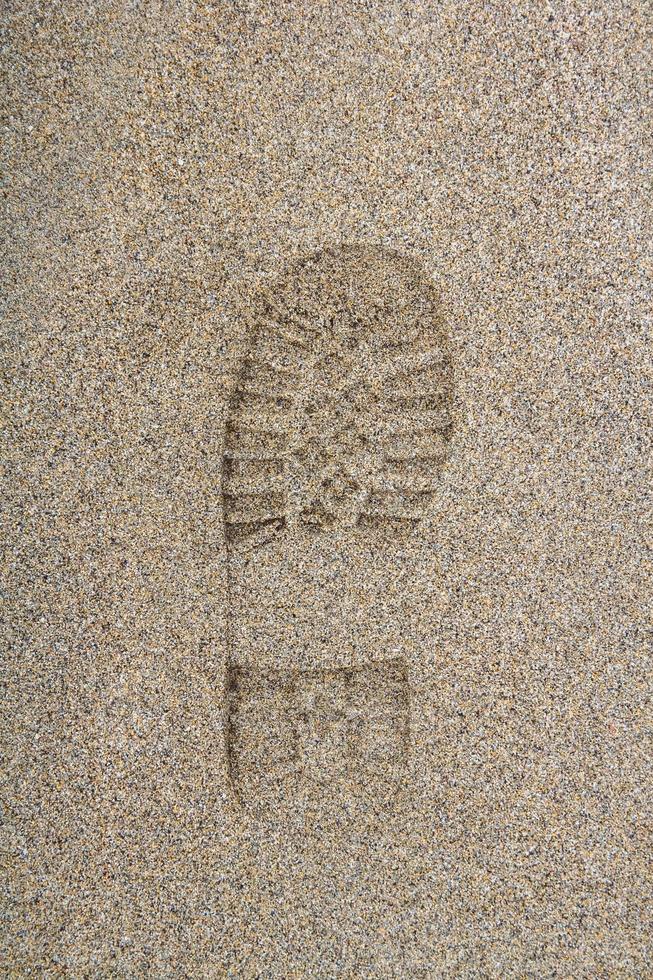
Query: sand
{"points": [[461, 708]]}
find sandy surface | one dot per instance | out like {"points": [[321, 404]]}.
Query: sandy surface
{"points": [[163, 166]]}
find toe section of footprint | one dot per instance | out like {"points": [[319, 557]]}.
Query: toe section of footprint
{"points": [[295, 734], [341, 414]]}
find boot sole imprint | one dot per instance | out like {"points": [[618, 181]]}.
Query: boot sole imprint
{"points": [[340, 418]]}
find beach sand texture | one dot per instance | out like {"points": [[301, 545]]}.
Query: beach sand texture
{"points": [[327, 481]]}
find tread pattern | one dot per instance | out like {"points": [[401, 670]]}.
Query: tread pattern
{"points": [[342, 410], [342, 730]]}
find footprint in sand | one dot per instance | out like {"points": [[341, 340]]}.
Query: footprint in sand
{"points": [[337, 435]]}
